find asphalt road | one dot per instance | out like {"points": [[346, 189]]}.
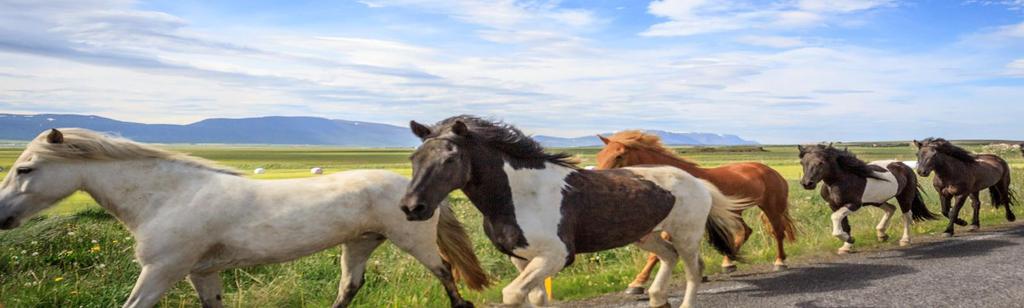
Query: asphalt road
{"points": [[982, 269]]}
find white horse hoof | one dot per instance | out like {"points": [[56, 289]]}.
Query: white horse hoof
{"points": [[844, 251], [904, 243], [780, 267]]}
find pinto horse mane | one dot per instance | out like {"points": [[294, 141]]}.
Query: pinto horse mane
{"points": [[639, 140], [945, 147], [846, 161], [83, 144], [507, 139]]}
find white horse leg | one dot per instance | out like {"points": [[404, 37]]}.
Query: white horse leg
{"points": [[538, 296], [154, 280], [422, 245], [208, 286], [353, 266], [883, 224], [532, 276], [668, 256], [908, 219]]}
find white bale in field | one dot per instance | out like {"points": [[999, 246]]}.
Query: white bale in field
{"points": [[259, 171], [912, 164], [316, 170]]}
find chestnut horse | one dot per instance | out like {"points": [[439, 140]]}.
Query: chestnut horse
{"points": [[748, 180]]}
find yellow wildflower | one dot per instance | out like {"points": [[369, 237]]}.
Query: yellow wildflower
{"points": [[58, 279]]}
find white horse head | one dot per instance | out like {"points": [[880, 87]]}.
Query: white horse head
{"points": [[57, 163]]}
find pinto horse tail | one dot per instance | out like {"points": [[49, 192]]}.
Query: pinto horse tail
{"points": [[457, 249], [724, 221], [918, 209]]}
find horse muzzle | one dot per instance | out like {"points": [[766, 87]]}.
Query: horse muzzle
{"points": [[416, 210], [809, 185], [10, 222]]}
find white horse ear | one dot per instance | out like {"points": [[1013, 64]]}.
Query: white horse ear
{"points": [[420, 130], [55, 136], [460, 128]]}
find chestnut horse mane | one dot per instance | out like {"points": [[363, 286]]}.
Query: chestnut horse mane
{"points": [[637, 139]]}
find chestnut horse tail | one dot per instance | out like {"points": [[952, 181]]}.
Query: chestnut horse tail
{"points": [[785, 222], [457, 249], [724, 221]]}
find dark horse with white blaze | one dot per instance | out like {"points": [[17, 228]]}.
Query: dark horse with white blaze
{"points": [[851, 183], [541, 209], [960, 174]]}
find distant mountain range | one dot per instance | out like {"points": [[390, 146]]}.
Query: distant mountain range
{"points": [[285, 130]]}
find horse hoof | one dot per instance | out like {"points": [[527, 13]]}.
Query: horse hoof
{"points": [[904, 243], [843, 252], [961, 222], [704, 279], [947, 234], [666, 305], [635, 291], [780, 267], [464, 305], [729, 269], [1011, 218], [883, 238], [972, 228]]}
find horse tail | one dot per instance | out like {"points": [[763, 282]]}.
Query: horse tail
{"points": [[1001, 193], [457, 249], [782, 219], [724, 221], [918, 209]]}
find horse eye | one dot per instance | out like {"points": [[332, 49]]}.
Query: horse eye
{"points": [[24, 170]]}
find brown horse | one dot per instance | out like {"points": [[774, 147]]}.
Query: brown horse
{"points": [[749, 180], [961, 174]]}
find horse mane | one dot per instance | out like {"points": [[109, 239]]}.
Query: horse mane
{"points": [[640, 140], [847, 161], [84, 144], [508, 140], [945, 147]]}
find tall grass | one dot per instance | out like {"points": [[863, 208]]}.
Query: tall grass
{"points": [[77, 255]]}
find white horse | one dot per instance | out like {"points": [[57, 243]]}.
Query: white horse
{"points": [[192, 218]]}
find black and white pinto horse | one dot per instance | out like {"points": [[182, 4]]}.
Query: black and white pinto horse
{"points": [[851, 183], [541, 209]]}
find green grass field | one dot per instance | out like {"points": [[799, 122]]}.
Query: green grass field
{"points": [[77, 255]]}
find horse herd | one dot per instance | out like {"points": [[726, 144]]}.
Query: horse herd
{"points": [[193, 219]]}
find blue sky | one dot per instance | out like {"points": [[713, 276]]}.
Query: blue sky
{"points": [[781, 71]]}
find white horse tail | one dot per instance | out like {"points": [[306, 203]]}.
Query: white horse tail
{"points": [[724, 221], [457, 249]]}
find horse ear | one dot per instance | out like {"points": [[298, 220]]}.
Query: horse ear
{"points": [[830, 144], [917, 143], [801, 148], [603, 139], [420, 130], [459, 128], [55, 136], [846, 149]]}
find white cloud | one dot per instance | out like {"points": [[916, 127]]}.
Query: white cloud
{"points": [[771, 41], [692, 17], [1016, 68]]}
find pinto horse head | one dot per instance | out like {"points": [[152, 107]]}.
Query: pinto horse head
{"points": [[816, 162], [439, 166]]}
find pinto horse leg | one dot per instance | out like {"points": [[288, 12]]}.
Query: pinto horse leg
{"points": [[689, 252], [354, 255], [538, 296], [954, 214], [841, 228], [976, 206], [668, 255], [908, 219], [883, 224], [208, 286], [532, 276]]}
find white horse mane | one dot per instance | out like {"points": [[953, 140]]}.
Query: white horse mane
{"points": [[84, 144]]}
